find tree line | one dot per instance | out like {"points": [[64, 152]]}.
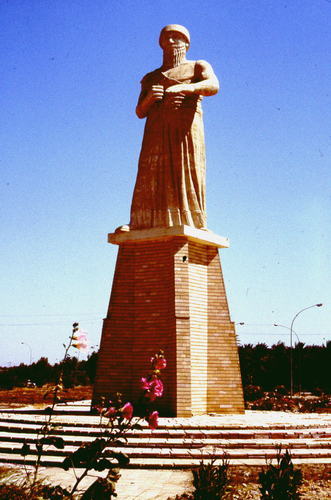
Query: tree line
{"points": [[75, 372], [269, 367], [263, 366]]}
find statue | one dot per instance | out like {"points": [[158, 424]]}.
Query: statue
{"points": [[170, 184]]}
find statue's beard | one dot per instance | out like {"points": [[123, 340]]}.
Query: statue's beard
{"points": [[174, 57]]}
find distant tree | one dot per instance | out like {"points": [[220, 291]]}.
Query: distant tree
{"points": [[269, 367], [91, 366], [41, 372]]}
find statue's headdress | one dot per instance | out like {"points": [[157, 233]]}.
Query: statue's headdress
{"points": [[178, 28]]}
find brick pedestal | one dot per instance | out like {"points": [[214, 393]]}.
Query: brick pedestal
{"points": [[168, 293]]}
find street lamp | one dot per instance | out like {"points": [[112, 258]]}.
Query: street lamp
{"points": [[287, 328], [300, 368], [237, 337], [30, 350], [291, 343]]}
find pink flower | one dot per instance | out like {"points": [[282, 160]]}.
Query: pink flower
{"points": [[80, 335], [127, 411], [99, 409], [110, 412], [81, 340], [153, 388], [159, 362], [81, 346], [152, 420], [156, 388], [145, 384]]}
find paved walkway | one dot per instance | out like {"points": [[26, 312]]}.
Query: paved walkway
{"points": [[136, 484]]}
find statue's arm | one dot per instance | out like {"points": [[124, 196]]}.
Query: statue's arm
{"points": [[206, 82], [147, 98]]}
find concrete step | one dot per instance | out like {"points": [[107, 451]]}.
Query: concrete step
{"points": [[187, 462], [176, 443], [206, 452], [62, 428], [70, 419]]}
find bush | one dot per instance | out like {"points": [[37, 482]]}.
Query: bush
{"points": [[281, 390], [252, 392], [281, 481], [285, 403], [210, 480], [41, 491], [11, 492]]}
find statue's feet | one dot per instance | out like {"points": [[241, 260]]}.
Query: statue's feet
{"points": [[122, 229]]}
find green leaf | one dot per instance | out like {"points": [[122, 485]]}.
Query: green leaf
{"points": [[58, 442], [103, 487], [25, 450], [67, 464], [120, 442], [122, 458], [102, 464], [137, 427]]}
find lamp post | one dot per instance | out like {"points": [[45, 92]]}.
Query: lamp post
{"points": [[291, 343], [287, 328], [30, 350], [238, 323], [300, 364]]}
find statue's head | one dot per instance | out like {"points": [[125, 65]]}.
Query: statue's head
{"points": [[174, 35]]}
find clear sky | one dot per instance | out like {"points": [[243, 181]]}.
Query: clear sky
{"points": [[70, 140]]}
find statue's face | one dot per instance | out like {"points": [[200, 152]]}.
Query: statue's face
{"points": [[173, 40]]}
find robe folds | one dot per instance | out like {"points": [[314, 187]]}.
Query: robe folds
{"points": [[170, 184]]}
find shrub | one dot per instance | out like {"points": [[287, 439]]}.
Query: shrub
{"points": [[13, 491], [317, 391], [281, 390], [281, 481], [210, 480], [285, 403], [252, 392]]}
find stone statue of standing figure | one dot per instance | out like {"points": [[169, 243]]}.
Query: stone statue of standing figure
{"points": [[170, 186]]}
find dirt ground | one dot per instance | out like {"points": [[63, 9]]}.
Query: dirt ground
{"points": [[24, 396], [310, 489]]}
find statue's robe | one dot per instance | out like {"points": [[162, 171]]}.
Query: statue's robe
{"points": [[170, 185]]}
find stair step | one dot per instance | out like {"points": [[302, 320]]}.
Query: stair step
{"points": [[205, 452], [162, 463], [72, 419], [176, 443], [60, 429]]}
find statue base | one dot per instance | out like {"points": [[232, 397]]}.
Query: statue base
{"points": [[168, 293]]}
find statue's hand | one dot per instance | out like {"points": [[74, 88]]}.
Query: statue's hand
{"points": [[156, 93], [174, 101], [181, 88]]}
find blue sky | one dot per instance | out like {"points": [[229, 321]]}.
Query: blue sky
{"points": [[70, 142]]}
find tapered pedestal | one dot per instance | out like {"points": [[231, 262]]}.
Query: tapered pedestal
{"points": [[168, 293]]}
